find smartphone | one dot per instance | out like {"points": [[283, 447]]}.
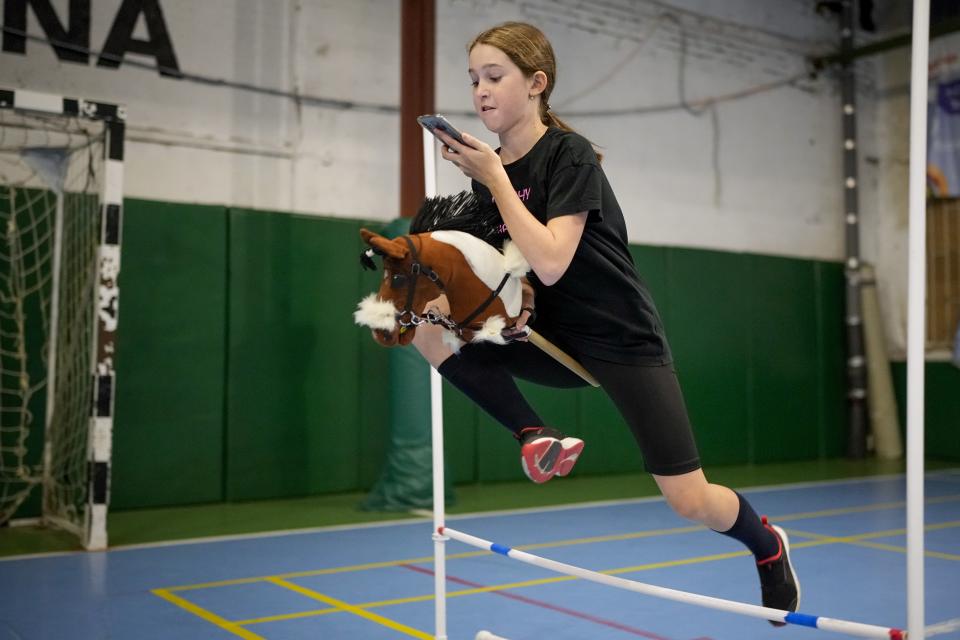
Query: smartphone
{"points": [[432, 123]]}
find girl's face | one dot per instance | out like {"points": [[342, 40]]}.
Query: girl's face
{"points": [[501, 93]]}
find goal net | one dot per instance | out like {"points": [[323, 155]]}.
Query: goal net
{"points": [[57, 311]]}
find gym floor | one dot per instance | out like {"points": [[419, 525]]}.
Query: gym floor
{"points": [[374, 580]]}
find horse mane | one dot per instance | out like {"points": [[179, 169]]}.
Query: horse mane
{"points": [[464, 211]]}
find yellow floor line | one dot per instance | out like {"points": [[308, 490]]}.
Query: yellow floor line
{"points": [[280, 617], [324, 572], [843, 511], [862, 538], [360, 609], [557, 543], [501, 587], [349, 608], [818, 540], [209, 616]]}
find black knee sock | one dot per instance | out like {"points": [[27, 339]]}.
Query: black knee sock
{"points": [[493, 389], [749, 530]]}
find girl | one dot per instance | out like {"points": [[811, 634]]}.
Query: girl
{"points": [[558, 207]]}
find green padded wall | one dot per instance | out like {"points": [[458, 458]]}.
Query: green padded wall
{"points": [[373, 367], [941, 407], [783, 373], [462, 434], [242, 375], [831, 359], [707, 322], [168, 433], [294, 387]]}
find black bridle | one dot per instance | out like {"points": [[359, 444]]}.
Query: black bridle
{"points": [[407, 317]]}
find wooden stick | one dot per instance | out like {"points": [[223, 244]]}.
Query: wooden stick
{"points": [[560, 356]]}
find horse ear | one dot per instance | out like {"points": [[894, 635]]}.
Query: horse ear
{"points": [[390, 248]]}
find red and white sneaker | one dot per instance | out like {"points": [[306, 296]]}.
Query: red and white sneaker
{"points": [[546, 452]]}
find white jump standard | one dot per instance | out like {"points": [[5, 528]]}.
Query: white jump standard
{"points": [[441, 533], [752, 610]]}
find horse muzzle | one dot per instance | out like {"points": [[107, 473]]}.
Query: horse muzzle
{"points": [[385, 322]]}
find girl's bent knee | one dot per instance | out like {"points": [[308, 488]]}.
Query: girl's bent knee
{"points": [[429, 342]]}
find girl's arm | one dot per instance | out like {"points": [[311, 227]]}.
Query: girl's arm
{"points": [[548, 248]]}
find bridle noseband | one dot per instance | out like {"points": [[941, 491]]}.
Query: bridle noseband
{"points": [[407, 317]]}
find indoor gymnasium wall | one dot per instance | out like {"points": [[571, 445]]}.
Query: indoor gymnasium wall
{"points": [[247, 383], [760, 173], [292, 105], [240, 373], [230, 395]]}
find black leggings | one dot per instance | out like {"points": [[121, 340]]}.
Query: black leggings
{"points": [[648, 398]]}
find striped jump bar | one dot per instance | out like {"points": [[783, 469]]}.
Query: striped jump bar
{"points": [[755, 611]]}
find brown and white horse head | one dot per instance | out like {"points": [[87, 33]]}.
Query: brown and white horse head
{"points": [[393, 312], [482, 286]]}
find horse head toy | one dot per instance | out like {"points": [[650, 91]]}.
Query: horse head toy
{"points": [[482, 286], [456, 247]]}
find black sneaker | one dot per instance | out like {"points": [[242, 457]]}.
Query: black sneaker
{"points": [[546, 452], [778, 581]]}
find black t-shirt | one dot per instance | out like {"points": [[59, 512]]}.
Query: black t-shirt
{"points": [[599, 307]]}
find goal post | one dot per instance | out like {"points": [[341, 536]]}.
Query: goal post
{"points": [[61, 205]]}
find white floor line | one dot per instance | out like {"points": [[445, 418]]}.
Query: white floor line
{"points": [[420, 514], [224, 538]]}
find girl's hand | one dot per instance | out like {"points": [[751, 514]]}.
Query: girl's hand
{"points": [[527, 302], [527, 313], [525, 316], [478, 161]]}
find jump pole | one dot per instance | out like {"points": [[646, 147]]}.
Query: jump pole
{"points": [[916, 315], [752, 610], [436, 428]]}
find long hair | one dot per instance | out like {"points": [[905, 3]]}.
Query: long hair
{"points": [[528, 48]]}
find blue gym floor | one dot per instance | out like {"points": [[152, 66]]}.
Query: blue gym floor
{"points": [[375, 582]]}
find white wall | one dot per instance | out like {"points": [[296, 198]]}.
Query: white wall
{"points": [[196, 143], [775, 186]]}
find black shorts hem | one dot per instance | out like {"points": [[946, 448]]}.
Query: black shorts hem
{"points": [[677, 469]]}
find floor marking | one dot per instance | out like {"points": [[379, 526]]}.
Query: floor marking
{"points": [[322, 572], [860, 539], [841, 511], [547, 605], [209, 616], [349, 608], [559, 543], [236, 627], [282, 617], [819, 540], [417, 519]]}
